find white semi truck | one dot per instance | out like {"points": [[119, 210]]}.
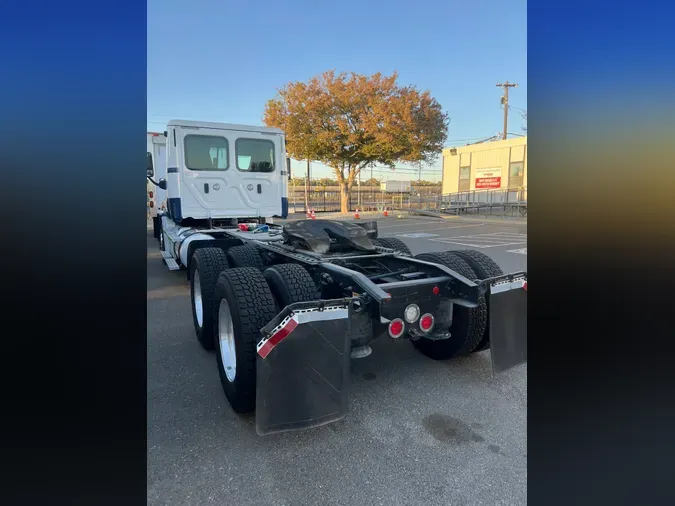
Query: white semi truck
{"points": [[287, 307]]}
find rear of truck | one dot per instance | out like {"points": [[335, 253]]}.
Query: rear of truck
{"points": [[434, 300], [303, 358]]}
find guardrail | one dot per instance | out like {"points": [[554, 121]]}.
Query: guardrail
{"points": [[505, 201]]}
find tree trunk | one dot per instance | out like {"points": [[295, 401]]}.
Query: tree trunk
{"points": [[344, 197]]}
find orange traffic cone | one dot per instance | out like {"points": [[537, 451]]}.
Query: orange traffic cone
{"points": [[313, 215], [356, 214], [386, 213]]}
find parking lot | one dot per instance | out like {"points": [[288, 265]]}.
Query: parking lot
{"points": [[418, 431]]}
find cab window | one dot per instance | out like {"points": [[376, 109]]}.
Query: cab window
{"points": [[204, 152], [254, 155]]}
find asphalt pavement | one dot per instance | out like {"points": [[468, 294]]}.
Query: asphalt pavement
{"points": [[418, 431]]}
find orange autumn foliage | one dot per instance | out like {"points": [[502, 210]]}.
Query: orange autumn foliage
{"points": [[350, 121]]}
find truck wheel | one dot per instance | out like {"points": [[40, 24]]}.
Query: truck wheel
{"points": [[468, 324], [244, 304], [393, 243], [484, 267], [291, 283], [245, 256], [205, 266]]}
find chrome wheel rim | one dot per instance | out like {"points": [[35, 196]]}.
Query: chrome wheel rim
{"points": [[199, 306], [226, 336]]}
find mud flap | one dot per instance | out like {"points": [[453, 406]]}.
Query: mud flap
{"points": [[303, 367], [508, 323]]}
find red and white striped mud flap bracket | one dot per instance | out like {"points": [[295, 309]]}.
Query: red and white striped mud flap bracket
{"points": [[507, 320], [302, 367]]}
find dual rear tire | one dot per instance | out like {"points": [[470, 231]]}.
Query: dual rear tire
{"points": [[232, 299], [245, 301], [470, 329]]}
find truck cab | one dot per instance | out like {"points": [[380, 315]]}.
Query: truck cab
{"points": [[224, 171]]}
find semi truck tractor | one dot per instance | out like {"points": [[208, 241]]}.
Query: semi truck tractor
{"points": [[286, 308]]}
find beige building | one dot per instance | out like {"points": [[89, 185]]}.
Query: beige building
{"points": [[490, 165]]}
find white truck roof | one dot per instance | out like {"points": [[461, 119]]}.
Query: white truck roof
{"points": [[224, 126]]}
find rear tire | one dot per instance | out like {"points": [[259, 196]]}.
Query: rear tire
{"points": [[393, 243], [245, 256], [243, 305], [291, 283], [485, 268], [205, 267], [468, 324]]}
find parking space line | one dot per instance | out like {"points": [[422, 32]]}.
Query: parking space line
{"points": [[481, 246], [408, 224], [439, 228], [521, 251]]}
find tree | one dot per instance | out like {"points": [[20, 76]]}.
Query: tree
{"points": [[372, 182], [351, 121]]}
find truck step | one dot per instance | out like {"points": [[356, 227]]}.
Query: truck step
{"points": [[170, 262]]}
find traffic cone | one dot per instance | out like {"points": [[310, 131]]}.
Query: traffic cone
{"points": [[308, 213], [386, 213], [313, 215], [356, 214]]}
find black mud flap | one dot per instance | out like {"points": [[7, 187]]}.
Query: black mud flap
{"points": [[508, 323], [303, 367]]}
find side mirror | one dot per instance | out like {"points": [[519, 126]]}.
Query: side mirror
{"points": [[288, 168], [162, 184], [151, 167]]}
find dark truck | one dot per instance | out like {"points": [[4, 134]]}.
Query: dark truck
{"points": [[287, 312]]}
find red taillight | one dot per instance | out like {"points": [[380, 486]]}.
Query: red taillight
{"points": [[525, 286], [152, 204], [396, 328], [436, 290], [150, 194], [426, 322]]}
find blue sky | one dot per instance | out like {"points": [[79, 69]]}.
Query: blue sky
{"points": [[217, 60]]}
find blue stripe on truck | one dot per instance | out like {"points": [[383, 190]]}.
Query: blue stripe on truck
{"points": [[284, 207]]}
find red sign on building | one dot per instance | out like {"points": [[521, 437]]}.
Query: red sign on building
{"points": [[488, 178]]}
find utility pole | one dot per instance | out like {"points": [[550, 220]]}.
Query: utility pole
{"points": [[359, 181], [505, 102]]}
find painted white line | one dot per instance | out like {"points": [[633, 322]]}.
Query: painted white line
{"points": [[506, 236], [488, 240], [439, 228], [417, 235], [522, 251], [487, 237], [481, 246], [409, 224]]}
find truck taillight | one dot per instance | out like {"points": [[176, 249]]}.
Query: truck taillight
{"points": [[426, 322], [396, 328], [150, 194]]}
